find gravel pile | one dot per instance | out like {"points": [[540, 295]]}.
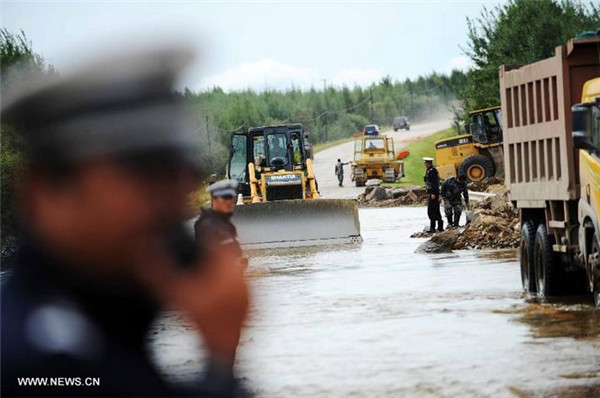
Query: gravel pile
{"points": [[482, 186], [495, 225]]}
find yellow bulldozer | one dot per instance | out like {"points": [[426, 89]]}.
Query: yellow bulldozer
{"points": [[281, 205], [374, 157], [478, 154]]}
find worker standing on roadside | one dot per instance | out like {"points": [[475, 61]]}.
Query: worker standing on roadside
{"points": [[339, 171], [110, 160], [214, 227], [432, 184], [451, 191]]}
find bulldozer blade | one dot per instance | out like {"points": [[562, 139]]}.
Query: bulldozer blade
{"points": [[296, 223]]}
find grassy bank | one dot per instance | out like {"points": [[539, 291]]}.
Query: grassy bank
{"points": [[413, 164]]}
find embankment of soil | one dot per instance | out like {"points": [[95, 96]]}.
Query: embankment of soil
{"points": [[495, 223]]}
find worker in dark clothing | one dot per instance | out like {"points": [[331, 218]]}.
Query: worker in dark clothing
{"points": [[451, 191], [212, 179], [214, 226], [109, 164], [339, 171], [432, 184]]}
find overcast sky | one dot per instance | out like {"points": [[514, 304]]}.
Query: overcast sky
{"points": [[260, 44]]}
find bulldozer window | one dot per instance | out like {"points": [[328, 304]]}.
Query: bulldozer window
{"points": [[374, 144], [485, 127], [296, 148], [259, 150], [498, 114], [477, 127], [237, 163], [358, 150], [277, 147]]}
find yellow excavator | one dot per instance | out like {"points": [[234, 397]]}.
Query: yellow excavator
{"points": [[280, 203], [477, 155]]}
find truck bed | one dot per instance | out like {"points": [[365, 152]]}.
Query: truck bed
{"points": [[536, 102]]}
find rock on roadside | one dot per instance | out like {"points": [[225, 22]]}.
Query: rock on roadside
{"points": [[375, 196], [442, 242]]}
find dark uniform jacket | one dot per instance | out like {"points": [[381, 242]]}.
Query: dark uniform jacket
{"points": [[339, 168], [452, 189], [216, 230], [56, 323], [432, 181]]}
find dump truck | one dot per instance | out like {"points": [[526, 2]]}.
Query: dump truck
{"points": [[478, 154], [280, 202], [374, 157], [552, 156]]}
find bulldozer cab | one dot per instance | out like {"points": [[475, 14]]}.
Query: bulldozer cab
{"points": [[486, 125], [370, 146], [270, 149], [374, 157]]}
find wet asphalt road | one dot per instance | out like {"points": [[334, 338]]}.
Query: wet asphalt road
{"points": [[325, 160], [375, 319]]}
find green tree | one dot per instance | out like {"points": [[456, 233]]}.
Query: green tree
{"points": [[516, 33], [18, 61]]}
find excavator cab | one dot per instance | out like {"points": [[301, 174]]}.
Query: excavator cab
{"points": [[486, 125]]}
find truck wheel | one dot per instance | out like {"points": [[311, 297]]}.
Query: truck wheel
{"points": [[485, 153], [548, 271], [477, 168], [360, 177], [526, 257], [594, 261], [407, 128]]}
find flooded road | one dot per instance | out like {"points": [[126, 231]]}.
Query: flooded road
{"points": [[378, 320]]}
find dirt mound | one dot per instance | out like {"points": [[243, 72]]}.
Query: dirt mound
{"points": [[392, 197], [495, 225], [482, 186]]}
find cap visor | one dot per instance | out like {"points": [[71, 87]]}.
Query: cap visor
{"points": [[224, 192]]}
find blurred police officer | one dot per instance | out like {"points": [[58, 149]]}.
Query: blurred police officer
{"points": [[109, 166], [214, 227], [432, 185], [451, 191]]}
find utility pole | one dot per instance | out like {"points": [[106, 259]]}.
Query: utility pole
{"points": [[326, 105], [411, 98], [208, 136], [371, 90]]}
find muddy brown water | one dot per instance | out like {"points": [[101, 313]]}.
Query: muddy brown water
{"points": [[375, 319]]}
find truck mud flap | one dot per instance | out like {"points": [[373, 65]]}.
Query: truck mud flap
{"points": [[297, 223]]}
